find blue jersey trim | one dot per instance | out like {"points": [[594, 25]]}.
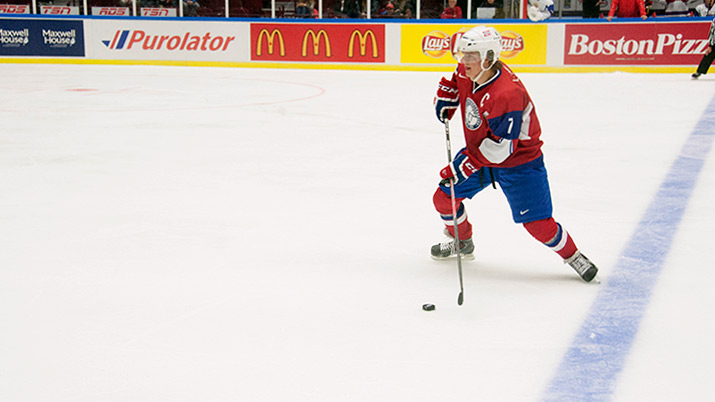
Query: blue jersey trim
{"points": [[507, 125]]}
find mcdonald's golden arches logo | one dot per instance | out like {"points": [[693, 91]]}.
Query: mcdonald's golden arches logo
{"points": [[270, 37], [316, 42], [362, 39]]}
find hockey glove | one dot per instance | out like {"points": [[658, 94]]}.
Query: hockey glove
{"points": [[460, 169], [447, 100]]}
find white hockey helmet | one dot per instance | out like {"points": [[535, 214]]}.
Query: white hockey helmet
{"points": [[483, 40]]}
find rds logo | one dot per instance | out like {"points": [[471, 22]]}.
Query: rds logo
{"points": [[436, 43]]}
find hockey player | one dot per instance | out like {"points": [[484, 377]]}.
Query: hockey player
{"points": [[709, 55], [503, 145], [540, 10]]}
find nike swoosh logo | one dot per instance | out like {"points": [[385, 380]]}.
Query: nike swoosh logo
{"points": [[523, 212]]}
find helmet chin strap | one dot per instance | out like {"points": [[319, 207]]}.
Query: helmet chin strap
{"points": [[484, 69]]}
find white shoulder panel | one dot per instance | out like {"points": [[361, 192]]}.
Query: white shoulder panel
{"points": [[496, 152]]}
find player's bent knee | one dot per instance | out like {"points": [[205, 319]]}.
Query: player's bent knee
{"points": [[442, 202]]}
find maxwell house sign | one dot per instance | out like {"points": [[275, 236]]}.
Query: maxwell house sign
{"points": [[356, 43], [41, 38]]}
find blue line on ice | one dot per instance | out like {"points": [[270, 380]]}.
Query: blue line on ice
{"points": [[589, 370]]}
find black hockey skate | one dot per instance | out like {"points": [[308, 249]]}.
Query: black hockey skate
{"points": [[585, 268], [446, 249]]}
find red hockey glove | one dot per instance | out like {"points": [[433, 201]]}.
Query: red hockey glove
{"points": [[447, 100], [460, 169]]}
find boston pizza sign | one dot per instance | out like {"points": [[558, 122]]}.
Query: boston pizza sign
{"points": [[680, 43]]}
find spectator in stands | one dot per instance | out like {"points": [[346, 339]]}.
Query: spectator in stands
{"points": [[191, 8], [703, 10], [627, 9], [387, 10], [302, 10], [452, 11], [405, 8], [498, 6], [709, 55], [431, 9], [351, 8], [592, 8], [676, 8], [167, 4], [540, 10], [253, 7]]}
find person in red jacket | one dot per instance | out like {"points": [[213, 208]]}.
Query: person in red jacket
{"points": [[453, 11], [627, 9]]}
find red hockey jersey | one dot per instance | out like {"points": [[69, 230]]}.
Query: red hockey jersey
{"points": [[501, 128]]}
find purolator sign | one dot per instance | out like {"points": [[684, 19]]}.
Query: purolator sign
{"points": [[635, 44], [318, 42]]}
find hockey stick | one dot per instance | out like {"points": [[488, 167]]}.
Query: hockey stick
{"points": [[460, 298]]}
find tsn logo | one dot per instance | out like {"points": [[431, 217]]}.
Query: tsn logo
{"points": [[56, 10], [14, 9], [155, 12], [113, 11]]}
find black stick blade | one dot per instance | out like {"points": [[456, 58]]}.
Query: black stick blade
{"points": [[460, 299]]}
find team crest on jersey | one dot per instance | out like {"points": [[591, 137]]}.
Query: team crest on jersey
{"points": [[472, 119]]}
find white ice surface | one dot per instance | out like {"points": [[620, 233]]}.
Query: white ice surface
{"points": [[204, 234]]}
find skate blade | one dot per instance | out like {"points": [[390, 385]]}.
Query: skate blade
{"points": [[465, 257]]}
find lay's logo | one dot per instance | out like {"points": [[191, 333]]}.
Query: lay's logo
{"points": [[436, 43], [511, 44]]}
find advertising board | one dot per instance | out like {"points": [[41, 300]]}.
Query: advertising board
{"points": [[20, 37], [158, 12], [356, 43], [671, 43], [169, 40], [59, 10], [666, 45], [112, 11], [14, 9], [435, 43]]}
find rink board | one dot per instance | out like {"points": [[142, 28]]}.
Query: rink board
{"points": [[668, 45]]}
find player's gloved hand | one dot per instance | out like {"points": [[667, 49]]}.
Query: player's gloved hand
{"points": [[460, 169], [446, 101]]}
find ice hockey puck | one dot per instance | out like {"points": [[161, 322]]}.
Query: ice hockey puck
{"points": [[428, 307]]}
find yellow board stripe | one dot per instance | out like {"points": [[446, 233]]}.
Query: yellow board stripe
{"points": [[348, 66]]}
